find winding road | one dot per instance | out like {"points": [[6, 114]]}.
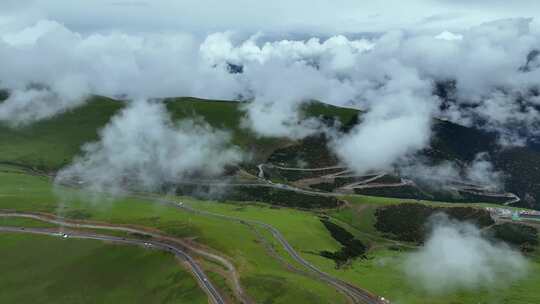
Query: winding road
{"points": [[267, 184], [368, 183], [357, 295], [197, 271]]}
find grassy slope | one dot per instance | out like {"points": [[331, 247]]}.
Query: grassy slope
{"points": [[51, 270], [452, 141], [24, 222], [320, 109], [381, 273], [223, 115], [50, 144], [303, 228], [258, 269], [229, 116]]}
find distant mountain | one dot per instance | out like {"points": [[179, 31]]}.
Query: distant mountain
{"points": [[51, 144]]}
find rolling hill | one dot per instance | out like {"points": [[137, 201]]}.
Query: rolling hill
{"points": [[48, 145], [361, 240]]}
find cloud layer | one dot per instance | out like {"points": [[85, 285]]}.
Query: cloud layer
{"points": [[141, 148], [479, 172], [279, 16], [33, 104], [490, 72], [457, 257]]}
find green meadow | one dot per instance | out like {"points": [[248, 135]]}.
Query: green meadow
{"points": [[77, 271], [43, 269], [23, 192]]}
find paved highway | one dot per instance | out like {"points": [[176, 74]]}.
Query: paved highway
{"points": [[267, 184], [357, 295], [203, 280], [79, 225]]}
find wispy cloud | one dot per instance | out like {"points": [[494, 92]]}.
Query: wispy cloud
{"points": [[457, 257]]}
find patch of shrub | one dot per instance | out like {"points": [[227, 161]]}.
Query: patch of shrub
{"points": [[313, 151], [339, 182], [276, 196], [78, 214], [283, 197], [328, 187], [523, 236], [352, 248], [406, 191], [408, 222], [294, 175], [140, 236], [473, 197], [387, 179], [4, 94]]}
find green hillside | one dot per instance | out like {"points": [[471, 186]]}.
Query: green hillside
{"points": [[258, 256], [47, 269], [51, 144], [358, 242], [519, 164], [228, 115]]}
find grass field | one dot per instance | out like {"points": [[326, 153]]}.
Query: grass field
{"points": [[382, 272], [24, 222], [43, 269], [51, 144], [264, 278], [31, 193]]}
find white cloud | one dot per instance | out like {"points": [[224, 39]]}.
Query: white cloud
{"points": [[281, 16], [480, 171], [141, 147], [26, 106], [457, 257], [390, 76], [446, 35], [151, 65], [394, 127]]}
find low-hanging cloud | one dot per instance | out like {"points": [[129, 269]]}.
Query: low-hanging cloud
{"points": [[442, 176], [278, 77], [388, 132], [72, 65], [278, 16], [456, 256], [483, 172], [142, 148], [390, 76], [27, 106]]}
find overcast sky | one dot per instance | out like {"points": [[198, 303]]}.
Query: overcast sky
{"points": [[162, 48], [277, 16]]}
